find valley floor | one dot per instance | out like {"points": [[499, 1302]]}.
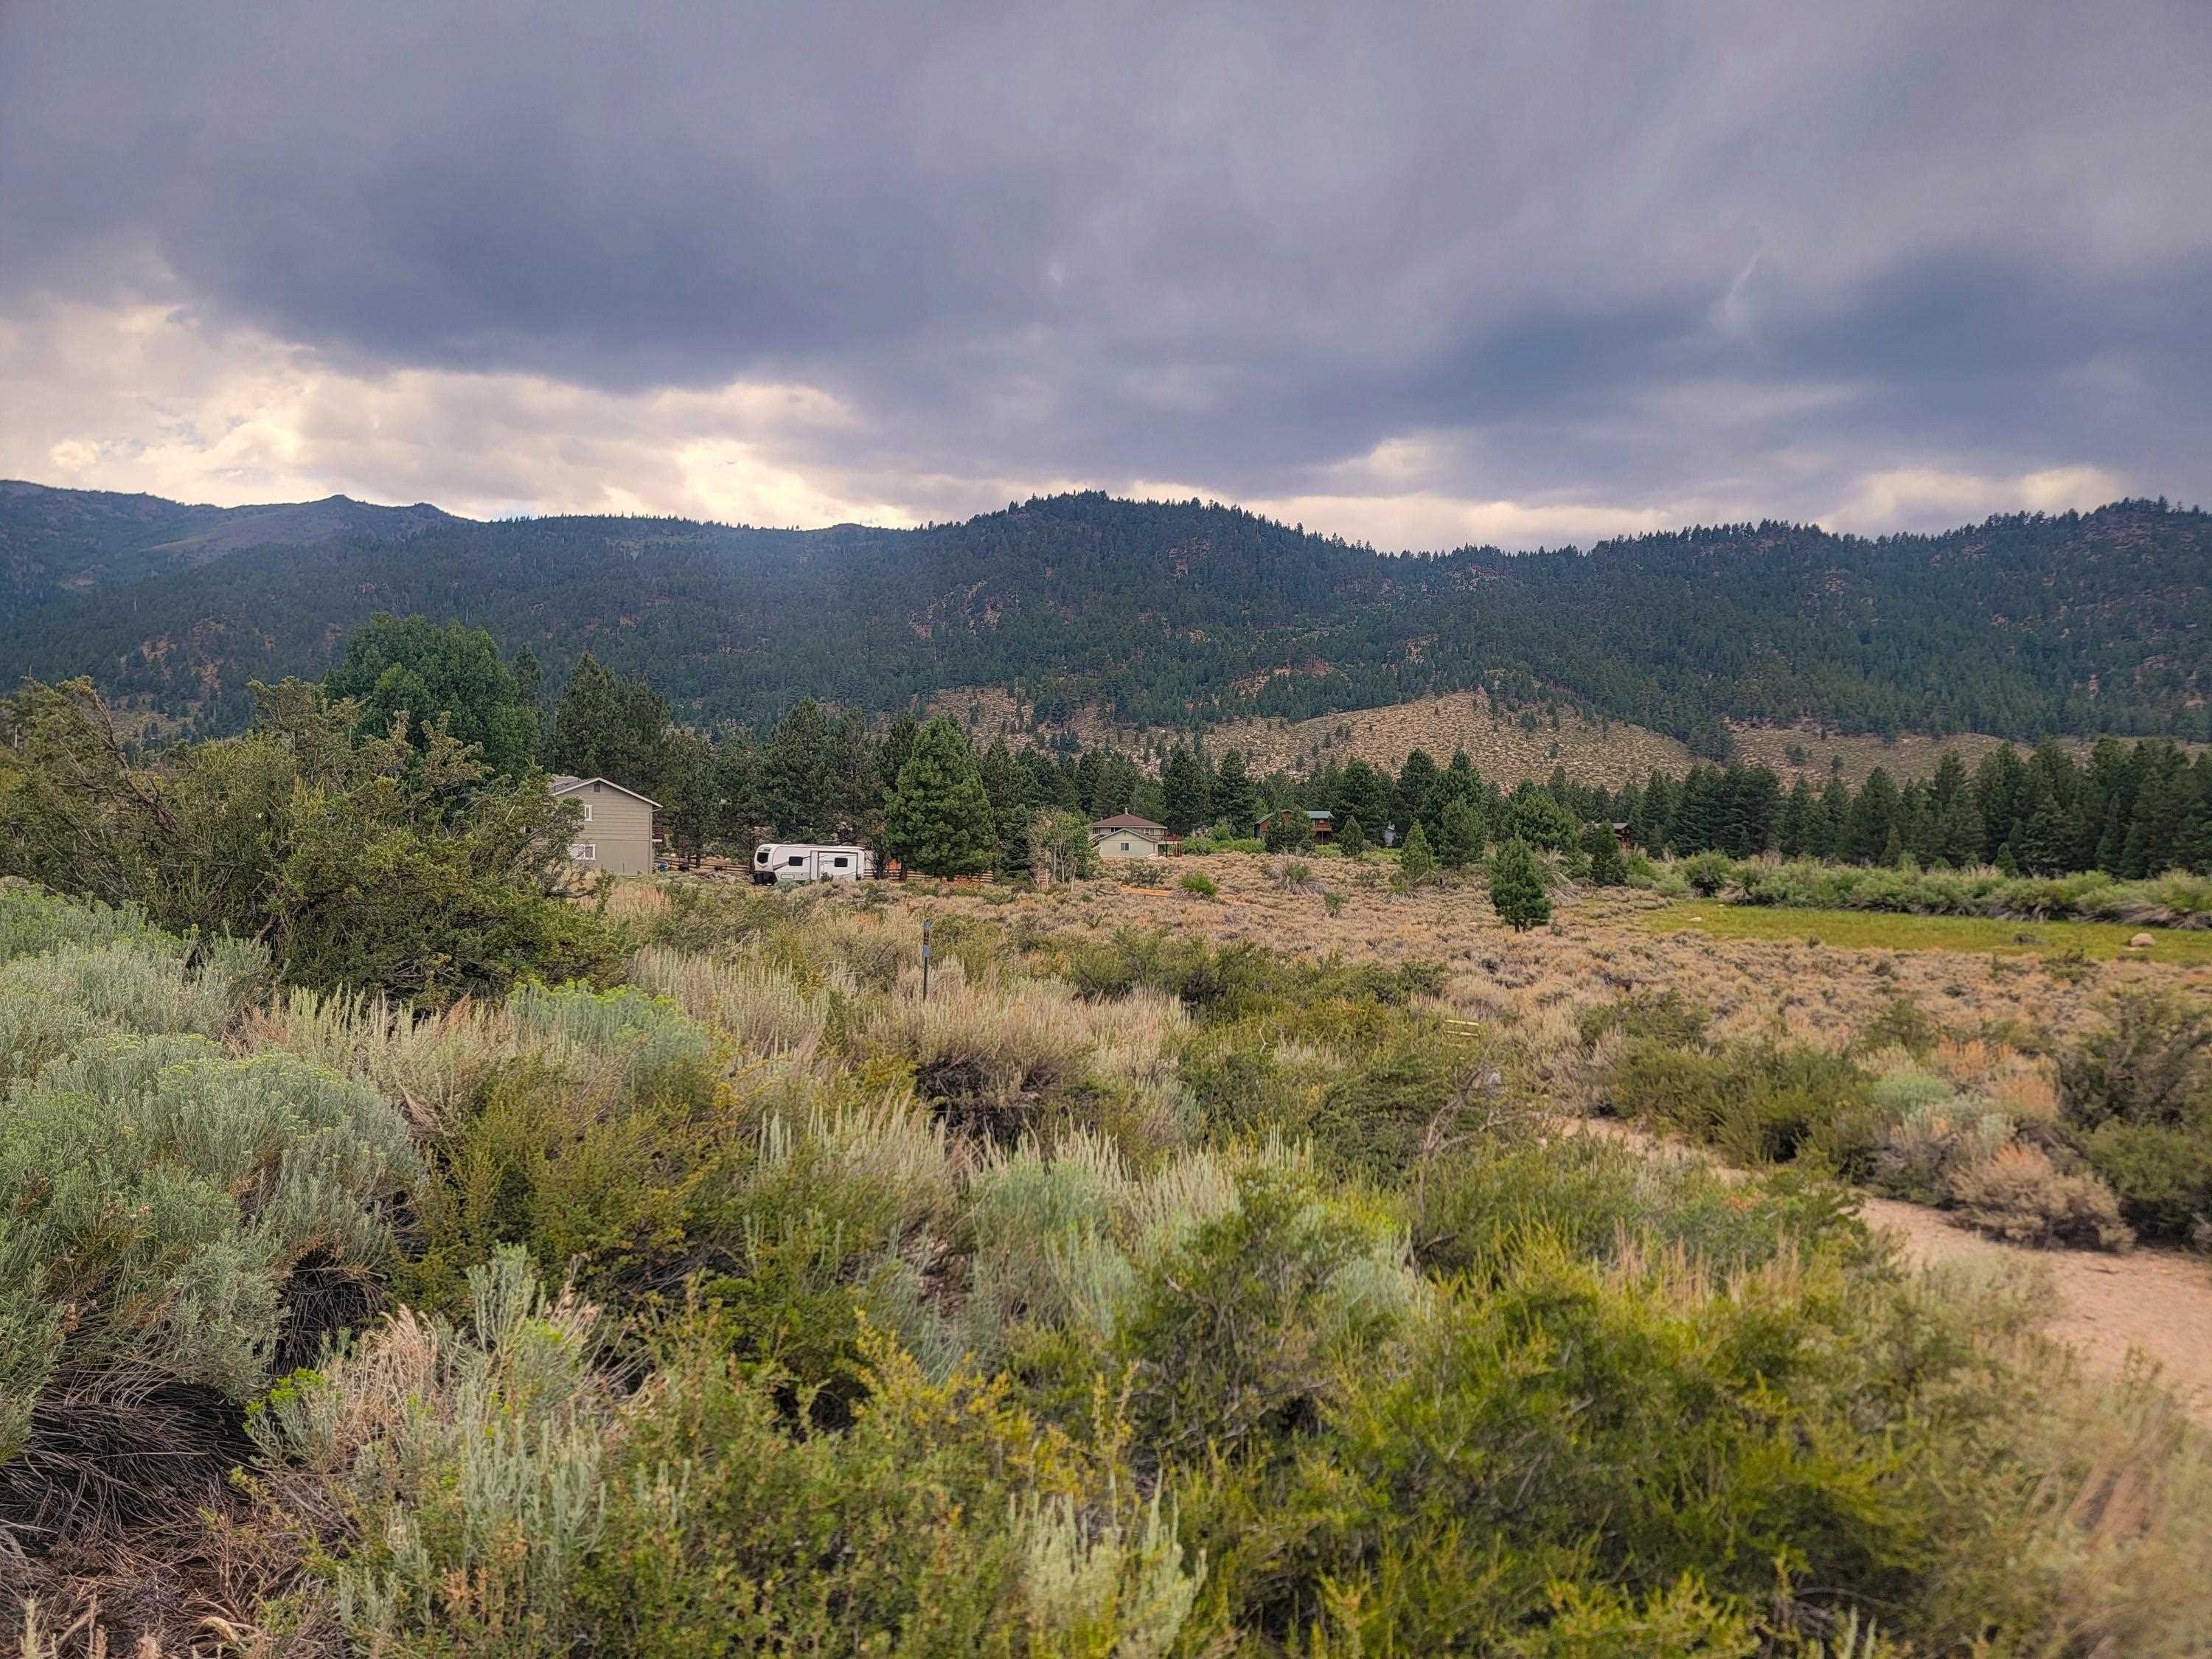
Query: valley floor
{"points": [[1805, 976]]}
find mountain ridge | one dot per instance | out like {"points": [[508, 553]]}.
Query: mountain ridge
{"points": [[1176, 613]]}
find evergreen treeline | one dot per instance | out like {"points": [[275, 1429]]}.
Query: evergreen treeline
{"points": [[1182, 614], [2130, 810]]}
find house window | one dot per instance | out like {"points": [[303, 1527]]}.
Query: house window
{"points": [[1125, 846], [583, 852], [587, 811]]}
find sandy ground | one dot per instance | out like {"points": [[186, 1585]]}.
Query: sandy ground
{"points": [[2156, 1302]]}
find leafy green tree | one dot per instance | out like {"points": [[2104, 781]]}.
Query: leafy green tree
{"points": [[1061, 846], [1351, 840], [939, 818], [1459, 834], [1516, 888], [435, 672], [1607, 866], [1014, 805], [1416, 863], [1872, 818], [372, 864], [2042, 839]]}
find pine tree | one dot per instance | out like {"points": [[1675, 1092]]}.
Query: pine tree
{"points": [[1186, 792], [608, 727], [1360, 793], [1607, 866], [1516, 888], [1831, 823], [1873, 819], [1351, 840], [1234, 799], [2044, 840], [939, 818], [1793, 837], [797, 786], [892, 754], [1415, 861], [1459, 834], [1417, 787]]}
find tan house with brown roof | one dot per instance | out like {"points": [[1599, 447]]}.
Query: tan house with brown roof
{"points": [[1125, 836]]}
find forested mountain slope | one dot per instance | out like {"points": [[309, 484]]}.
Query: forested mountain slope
{"points": [[57, 542], [1175, 612]]}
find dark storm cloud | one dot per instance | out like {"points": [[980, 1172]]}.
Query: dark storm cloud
{"points": [[1580, 246]]}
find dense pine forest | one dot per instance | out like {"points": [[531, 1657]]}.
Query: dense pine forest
{"points": [[1168, 613]]}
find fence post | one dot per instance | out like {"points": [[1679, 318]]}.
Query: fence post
{"points": [[924, 959]]}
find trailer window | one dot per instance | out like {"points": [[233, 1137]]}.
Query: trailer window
{"points": [[840, 863], [796, 858]]}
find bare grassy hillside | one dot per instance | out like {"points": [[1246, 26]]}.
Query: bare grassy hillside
{"points": [[1507, 745]]}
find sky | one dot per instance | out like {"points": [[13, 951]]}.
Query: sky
{"points": [[1421, 275]]}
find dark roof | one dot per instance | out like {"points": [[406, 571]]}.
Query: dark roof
{"points": [[1127, 821], [561, 783]]}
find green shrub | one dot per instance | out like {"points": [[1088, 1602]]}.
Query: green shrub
{"points": [[1755, 1103], [1768, 1453], [2149, 1065], [1708, 873], [1238, 1334], [2161, 1175], [391, 863], [1474, 1208], [1665, 1015], [2017, 1195], [160, 1196], [1198, 885], [945, 1519], [467, 1466], [33, 921]]}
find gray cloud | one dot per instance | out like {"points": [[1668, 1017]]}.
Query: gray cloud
{"points": [[1619, 259]]}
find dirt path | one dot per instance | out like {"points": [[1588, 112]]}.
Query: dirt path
{"points": [[2156, 1301]]}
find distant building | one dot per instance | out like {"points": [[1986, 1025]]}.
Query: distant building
{"points": [[1324, 825], [616, 833], [1125, 836]]}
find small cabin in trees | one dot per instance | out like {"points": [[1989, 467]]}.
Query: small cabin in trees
{"points": [[1324, 825], [616, 833], [1125, 836]]}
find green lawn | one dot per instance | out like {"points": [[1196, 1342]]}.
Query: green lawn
{"points": [[1880, 930]]}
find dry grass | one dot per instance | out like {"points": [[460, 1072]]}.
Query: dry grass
{"points": [[1601, 946]]}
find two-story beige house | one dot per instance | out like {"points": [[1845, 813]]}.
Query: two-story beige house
{"points": [[1125, 836], [616, 833]]}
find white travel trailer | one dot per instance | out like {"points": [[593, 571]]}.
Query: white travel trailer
{"points": [[786, 863]]}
